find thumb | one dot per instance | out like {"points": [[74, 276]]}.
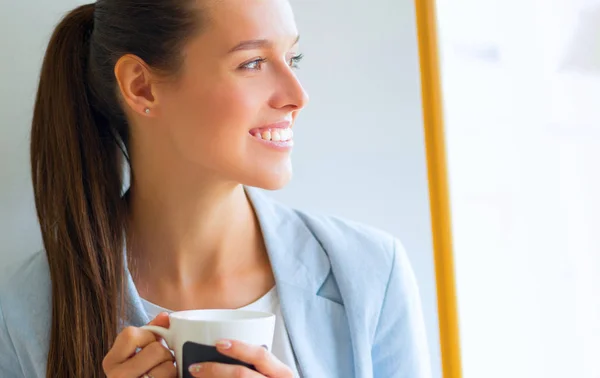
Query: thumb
{"points": [[161, 320]]}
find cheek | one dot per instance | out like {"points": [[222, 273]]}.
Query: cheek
{"points": [[213, 119], [226, 109]]}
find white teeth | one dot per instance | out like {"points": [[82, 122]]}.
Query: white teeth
{"points": [[286, 134], [279, 135]]}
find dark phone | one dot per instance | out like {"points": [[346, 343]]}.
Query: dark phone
{"points": [[194, 353]]}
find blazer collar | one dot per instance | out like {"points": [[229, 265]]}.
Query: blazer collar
{"points": [[296, 256]]}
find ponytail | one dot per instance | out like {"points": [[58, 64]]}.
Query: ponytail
{"points": [[76, 175]]}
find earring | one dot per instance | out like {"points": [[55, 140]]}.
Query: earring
{"points": [[147, 110]]}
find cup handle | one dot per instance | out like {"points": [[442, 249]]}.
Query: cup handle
{"points": [[162, 332]]}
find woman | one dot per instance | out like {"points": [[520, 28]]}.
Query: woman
{"points": [[200, 97]]}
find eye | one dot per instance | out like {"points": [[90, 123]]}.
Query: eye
{"points": [[254, 65], [295, 60]]}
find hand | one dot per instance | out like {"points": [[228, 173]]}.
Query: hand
{"points": [[265, 362], [124, 361]]}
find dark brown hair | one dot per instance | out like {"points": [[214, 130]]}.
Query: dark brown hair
{"points": [[79, 130]]}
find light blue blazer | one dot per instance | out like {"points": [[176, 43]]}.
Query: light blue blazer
{"points": [[348, 297]]}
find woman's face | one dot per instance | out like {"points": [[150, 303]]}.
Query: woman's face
{"points": [[232, 107]]}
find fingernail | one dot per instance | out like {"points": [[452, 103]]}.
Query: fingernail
{"points": [[195, 368], [224, 344]]}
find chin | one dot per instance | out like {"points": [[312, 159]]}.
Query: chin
{"points": [[271, 180], [274, 186]]}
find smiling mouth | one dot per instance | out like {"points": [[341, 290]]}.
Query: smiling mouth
{"points": [[275, 135]]}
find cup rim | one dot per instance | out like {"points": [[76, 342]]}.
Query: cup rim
{"points": [[252, 315]]}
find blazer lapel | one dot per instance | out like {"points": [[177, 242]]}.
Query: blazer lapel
{"points": [[317, 326]]}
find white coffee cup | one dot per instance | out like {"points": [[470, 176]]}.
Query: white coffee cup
{"points": [[192, 335]]}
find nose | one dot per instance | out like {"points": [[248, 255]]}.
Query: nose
{"points": [[289, 92]]}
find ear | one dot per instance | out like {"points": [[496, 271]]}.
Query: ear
{"points": [[135, 85]]}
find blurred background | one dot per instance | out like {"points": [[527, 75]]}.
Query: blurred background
{"points": [[521, 89]]}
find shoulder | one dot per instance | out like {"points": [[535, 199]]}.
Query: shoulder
{"points": [[334, 228], [25, 283], [353, 248], [347, 243], [25, 312], [353, 243]]}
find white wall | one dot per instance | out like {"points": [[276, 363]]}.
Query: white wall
{"points": [[24, 31], [360, 149]]}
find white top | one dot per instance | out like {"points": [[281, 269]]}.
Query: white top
{"points": [[282, 348]]}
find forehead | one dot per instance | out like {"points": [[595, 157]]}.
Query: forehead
{"points": [[234, 20]]}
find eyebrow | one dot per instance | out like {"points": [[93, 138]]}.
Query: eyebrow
{"points": [[256, 44]]}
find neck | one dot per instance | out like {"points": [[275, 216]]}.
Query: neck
{"points": [[197, 237]]}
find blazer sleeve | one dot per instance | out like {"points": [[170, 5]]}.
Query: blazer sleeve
{"points": [[9, 362], [400, 344]]}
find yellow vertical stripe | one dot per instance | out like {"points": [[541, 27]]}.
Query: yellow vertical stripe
{"points": [[438, 187]]}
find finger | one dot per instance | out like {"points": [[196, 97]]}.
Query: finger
{"points": [[130, 339], [151, 357], [165, 370], [126, 344], [216, 370], [161, 320], [263, 360]]}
